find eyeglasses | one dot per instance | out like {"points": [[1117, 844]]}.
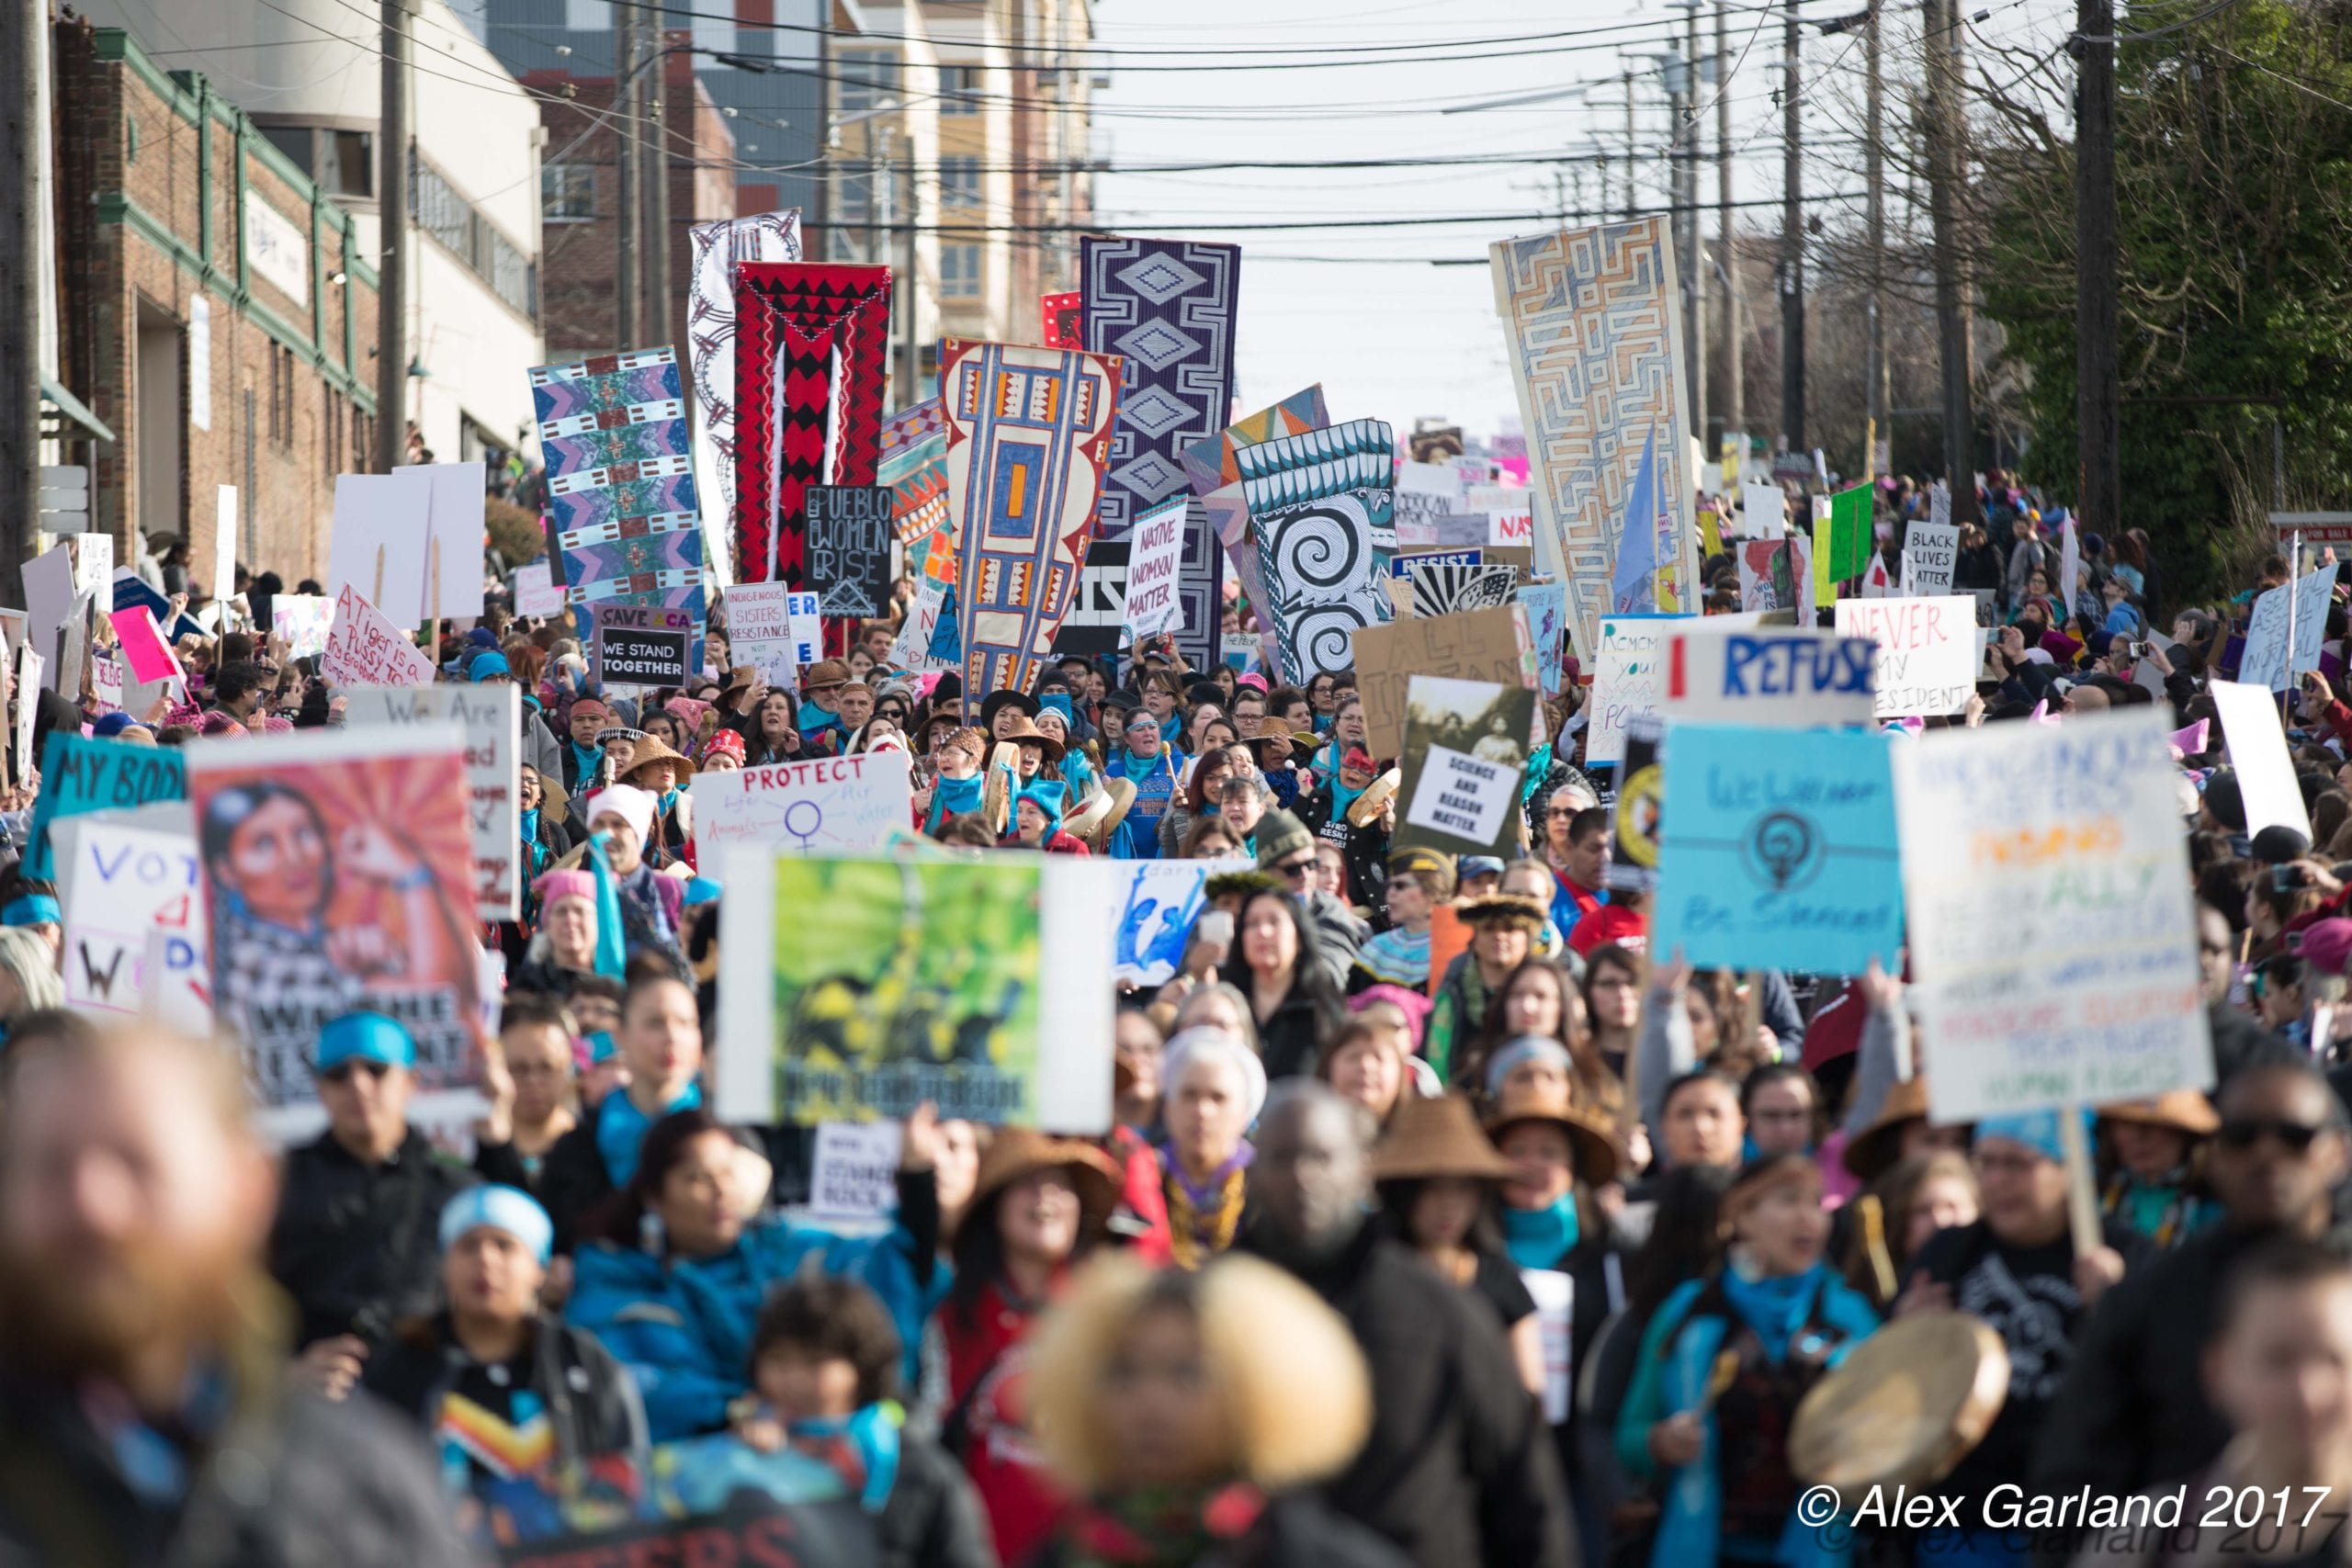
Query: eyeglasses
{"points": [[1297, 870], [341, 1072], [2295, 1137]]}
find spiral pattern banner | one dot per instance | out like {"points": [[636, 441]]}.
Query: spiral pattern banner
{"points": [[1325, 565]]}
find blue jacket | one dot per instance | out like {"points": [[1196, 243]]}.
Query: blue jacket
{"points": [[1677, 1361], [683, 1328]]}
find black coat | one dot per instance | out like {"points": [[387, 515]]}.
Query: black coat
{"points": [[573, 1181], [1295, 1532], [604, 1414], [1458, 1469], [932, 1519], [355, 1246]]}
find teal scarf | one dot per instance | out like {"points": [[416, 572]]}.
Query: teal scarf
{"points": [[621, 1128], [1774, 1305], [1539, 1238], [589, 757]]}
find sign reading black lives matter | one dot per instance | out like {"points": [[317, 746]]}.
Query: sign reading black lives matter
{"points": [[1465, 762], [641, 645], [849, 548]]}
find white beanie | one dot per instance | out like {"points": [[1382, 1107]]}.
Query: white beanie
{"points": [[627, 802]]}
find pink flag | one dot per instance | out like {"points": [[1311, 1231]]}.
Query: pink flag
{"points": [[2042, 714], [150, 658], [2189, 742]]}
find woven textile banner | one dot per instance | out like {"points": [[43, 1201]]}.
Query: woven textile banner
{"points": [[1167, 308], [620, 485], [1216, 475], [1322, 506], [719, 249], [812, 349], [1028, 435], [1594, 329], [915, 464], [1062, 314]]}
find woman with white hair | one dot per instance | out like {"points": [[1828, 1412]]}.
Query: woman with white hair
{"points": [[1213, 1086], [28, 979]]}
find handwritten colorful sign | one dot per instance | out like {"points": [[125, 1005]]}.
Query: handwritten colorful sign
{"points": [[1927, 651], [1786, 678]]}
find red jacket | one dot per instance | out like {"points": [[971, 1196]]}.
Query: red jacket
{"points": [[1610, 923], [988, 1364]]}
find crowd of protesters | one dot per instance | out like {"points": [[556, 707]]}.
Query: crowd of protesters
{"points": [[1524, 1254]]}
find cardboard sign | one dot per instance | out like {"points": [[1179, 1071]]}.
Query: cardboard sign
{"points": [[491, 717], [1786, 677], [849, 534], [366, 648], [1155, 551], [79, 774], [382, 526], [1465, 758], [344, 879], [456, 537], [641, 645], [2053, 933], [1629, 674], [1931, 553], [1002, 956], [1778, 850], [826, 805], [123, 883], [49, 597], [1483, 645], [537, 593], [853, 1176], [2257, 748], [1927, 651], [2265, 661], [774, 629]]}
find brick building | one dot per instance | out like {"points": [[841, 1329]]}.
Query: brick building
{"points": [[580, 204], [214, 311]]}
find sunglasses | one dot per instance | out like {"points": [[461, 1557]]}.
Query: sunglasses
{"points": [[1297, 870], [2295, 1137], [342, 1071]]}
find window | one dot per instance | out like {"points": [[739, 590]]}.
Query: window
{"points": [[869, 77], [330, 429], [281, 395], [567, 193], [294, 141], [959, 179], [959, 272], [959, 89], [446, 215], [347, 163]]}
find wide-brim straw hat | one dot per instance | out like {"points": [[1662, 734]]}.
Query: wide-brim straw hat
{"points": [[1502, 908], [1592, 1147], [2182, 1109], [1025, 732], [1427, 1139], [1018, 1152], [1877, 1147], [652, 748]]}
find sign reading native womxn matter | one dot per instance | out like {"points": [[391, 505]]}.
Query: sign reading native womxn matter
{"points": [[1785, 677], [1778, 850]]}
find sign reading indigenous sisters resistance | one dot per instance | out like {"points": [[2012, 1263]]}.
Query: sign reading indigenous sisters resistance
{"points": [[856, 988], [338, 875], [2052, 933]]}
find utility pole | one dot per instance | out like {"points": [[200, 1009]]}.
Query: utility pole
{"points": [[657, 181], [1876, 380], [1735, 393], [1686, 163], [904, 285], [1629, 146], [2097, 376], [392, 271], [1792, 239], [21, 174], [629, 328], [1947, 166]]}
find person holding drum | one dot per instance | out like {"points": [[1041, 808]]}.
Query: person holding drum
{"points": [[1722, 1370]]}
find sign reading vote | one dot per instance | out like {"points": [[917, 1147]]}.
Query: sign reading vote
{"points": [[1786, 678], [1778, 850], [642, 644], [78, 774]]}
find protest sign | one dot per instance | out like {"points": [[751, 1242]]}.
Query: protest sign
{"points": [[121, 883], [537, 593], [106, 684], [913, 649], [742, 1528], [1156, 923], [1155, 551], [79, 774], [143, 648], [1425, 492], [774, 629], [849, 534], [490, 716], [382, 525], [1464, 757], [1636, 818], [1926, 660], [1480, 645], [304, 621], [1511, 526], [1930, 551], [366, 648], [825, 806], [49, 597], [2265, 661], [857, 988], [1629, 672], [1778, 850], [2050, 920], [640, 645], [1764, 509], [1404, 564], [1786, 677], [853, 1176], [1547, 604], [93, 563], [455, 536], [1440, 589], [338, 872], [1777, 574], [2257, 748]]}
